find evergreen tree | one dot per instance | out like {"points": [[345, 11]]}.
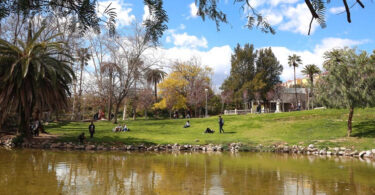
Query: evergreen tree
{"points": [[349, 81], [270, 68], [242, 72]]}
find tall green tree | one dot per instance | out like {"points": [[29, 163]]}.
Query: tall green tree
{"points": [[154, 76], [269, 68], [349, 81], [311, 70], [294, 61], [32, 76], [242, 71]]}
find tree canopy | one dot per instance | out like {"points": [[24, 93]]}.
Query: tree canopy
{"points": [[348, 81], [253, 74], [84, 13]]}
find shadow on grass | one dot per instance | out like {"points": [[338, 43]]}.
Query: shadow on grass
{"points": [[364, 129], [58, 124], [229, 132]]}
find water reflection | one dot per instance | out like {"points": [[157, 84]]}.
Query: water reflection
{"points": [[61, 172]]}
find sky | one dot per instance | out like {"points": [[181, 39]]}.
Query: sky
{"points": [[188, 36]]}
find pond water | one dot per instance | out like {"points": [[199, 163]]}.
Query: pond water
{"points": [[80, 172]]}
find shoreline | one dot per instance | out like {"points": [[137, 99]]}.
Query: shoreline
{"points": [[8, 142]]}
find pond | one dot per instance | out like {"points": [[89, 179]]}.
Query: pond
{"points": [[81, 172]]}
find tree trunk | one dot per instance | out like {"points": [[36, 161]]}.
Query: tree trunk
{"points": [[79, 115], [116, 111], [312, 93], [308, 99], [295, 86], [25, 123], [74, 98], [124, 112], [351, 111], [110, 96], [156, 91]]}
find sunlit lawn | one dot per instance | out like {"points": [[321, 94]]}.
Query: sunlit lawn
{"points": [[322, 127]]}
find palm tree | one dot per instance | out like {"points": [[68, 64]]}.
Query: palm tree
{"points": [[110, 69], [294, 61], [83, 56], [155, 76], [32, 75], [310, 70]]}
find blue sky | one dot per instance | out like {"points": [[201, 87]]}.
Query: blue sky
{"points": [[188, 36]]}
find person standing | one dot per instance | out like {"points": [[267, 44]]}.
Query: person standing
{"points": [[221, 124], [92, 129]]}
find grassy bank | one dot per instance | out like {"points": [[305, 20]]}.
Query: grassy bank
{"points": [[321, 127]]}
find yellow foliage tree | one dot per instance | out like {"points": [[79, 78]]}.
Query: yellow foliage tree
{"points": [[184, 87]]}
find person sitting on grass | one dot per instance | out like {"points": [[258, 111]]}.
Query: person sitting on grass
{"points": [[125, 128], [208, 130], [187, 124], [81, 138], [118, 128]]}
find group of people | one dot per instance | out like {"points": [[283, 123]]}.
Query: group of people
{"points": [[120, 128], [124, 128], [82, 137], [208, 130]]}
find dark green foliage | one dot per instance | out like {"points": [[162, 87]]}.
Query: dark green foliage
{"points": [[156, 25], [253, 74], [269, 68], [32, 76]]}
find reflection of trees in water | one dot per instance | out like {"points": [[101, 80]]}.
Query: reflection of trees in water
{"points": [[59, 172]]}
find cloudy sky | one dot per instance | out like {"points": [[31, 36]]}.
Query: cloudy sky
{"points": [[188, 36]]}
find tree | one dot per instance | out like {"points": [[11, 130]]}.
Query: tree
{"points": [[85, 14], [270, 69], [83, 56], [253, 74], [348, 83], [110, 69], [294, 61], [185, 86], [32, 76], [154, 76], [242, 71], [310, 70]]}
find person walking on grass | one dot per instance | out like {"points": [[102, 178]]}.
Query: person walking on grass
{"points": [[92, 129], [221, 124]]}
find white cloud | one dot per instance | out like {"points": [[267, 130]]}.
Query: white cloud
{"points": [[182, 27], [277, 2], [218, 58], [185, 40], [298, 19], [124, 17], [146, 13], [336, 10], [273, 17], [193, 10], [311, 57]]}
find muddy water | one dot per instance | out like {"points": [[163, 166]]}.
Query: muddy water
{"points": [[79, 172]]}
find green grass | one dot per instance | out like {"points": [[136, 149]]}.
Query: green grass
{"points": [[325, 128]]}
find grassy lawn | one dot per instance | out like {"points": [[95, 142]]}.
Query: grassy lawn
{"points": [[322, 127]]}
